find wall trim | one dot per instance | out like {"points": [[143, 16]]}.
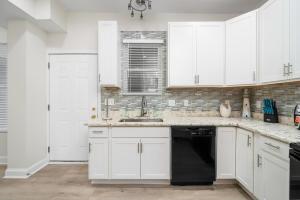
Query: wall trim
{"points": [[23, 173], [3, 160]]}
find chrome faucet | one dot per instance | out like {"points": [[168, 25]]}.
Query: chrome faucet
{"points": [[143, 107]]}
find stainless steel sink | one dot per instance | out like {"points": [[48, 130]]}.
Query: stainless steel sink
{"points": [[141, 120]]}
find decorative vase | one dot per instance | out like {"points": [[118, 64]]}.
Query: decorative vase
{"points": [[225, 109]]}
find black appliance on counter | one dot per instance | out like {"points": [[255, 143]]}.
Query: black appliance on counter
{"points": [[193, 155], [295, 171]]}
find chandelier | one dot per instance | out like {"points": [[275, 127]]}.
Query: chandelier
{"points": [[139, 6]]}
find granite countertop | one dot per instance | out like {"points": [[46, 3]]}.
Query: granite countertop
{"points": [[283, 133]]}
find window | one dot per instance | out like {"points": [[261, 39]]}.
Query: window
{"points": [[3, 88], [142, 70]]}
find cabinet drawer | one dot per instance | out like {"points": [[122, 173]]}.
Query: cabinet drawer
{"points": [[100, 132], [141, 132], [275, 147]]}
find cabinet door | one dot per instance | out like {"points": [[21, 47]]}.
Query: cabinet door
{"points": [[295, 38], [275, 177], [274, 40], [182, 54], [125, 158], [241, 49], [244, 158], [226, 142], [108, 39], [258, 170], [210, 53], [98, 158], [155, 158]]}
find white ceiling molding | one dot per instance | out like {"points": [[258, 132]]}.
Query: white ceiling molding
{"points": [[165, 6]]}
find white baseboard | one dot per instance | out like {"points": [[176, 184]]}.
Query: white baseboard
{"points": [[23, 173], [3, 160], [130, 182]]}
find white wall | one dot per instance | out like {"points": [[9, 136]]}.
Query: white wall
{"points": [[82, 27], [3, 35], [3, 136], [27, 98]]}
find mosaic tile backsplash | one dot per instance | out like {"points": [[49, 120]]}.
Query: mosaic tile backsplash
{"points": [[286, 95], [202, 100]]}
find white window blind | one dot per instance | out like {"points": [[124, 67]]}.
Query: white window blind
{"points": [[142, 72], [3, 88]]}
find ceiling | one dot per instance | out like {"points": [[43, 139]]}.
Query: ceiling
{"points": [[166, 6]]}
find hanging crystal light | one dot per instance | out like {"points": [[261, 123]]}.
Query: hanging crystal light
{"points": [[139, 6]]}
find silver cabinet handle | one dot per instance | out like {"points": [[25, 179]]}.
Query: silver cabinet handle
{"points": [[248, 141], [285, 70], [254, 76], [273, 146], [138, 149], [97, 132], [290, 68], [259, 163], [141, 147], [90, 147], [196, 79]]}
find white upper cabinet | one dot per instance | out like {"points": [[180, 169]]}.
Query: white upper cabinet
{"points": [[196, 53], [274, 40], [108, 50], [241, 49], [210, 53], [182, 54], [295, 39]]}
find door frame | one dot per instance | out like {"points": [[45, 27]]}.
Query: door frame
{"points": [[55, 52]]}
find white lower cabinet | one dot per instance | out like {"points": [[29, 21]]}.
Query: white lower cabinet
{"points": [[258, 170], [129, 153], [145, 158], [226, 140], [155, 158], [125, 158], [271, 171], [275, 177], [244, 158], [98, 158]]}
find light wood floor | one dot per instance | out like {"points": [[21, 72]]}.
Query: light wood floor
{"points": [[70, 182]]}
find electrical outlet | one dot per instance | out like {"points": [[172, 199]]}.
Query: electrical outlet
{"points": [[185, 103], [258, 104], [111, 101], [172, 103]]}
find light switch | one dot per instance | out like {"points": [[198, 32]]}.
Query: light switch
{"points": [[185, 103], [172, 103], [258, 104], [111, 101]]}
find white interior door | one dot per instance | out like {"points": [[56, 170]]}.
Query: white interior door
{"points": [[73, 94]]}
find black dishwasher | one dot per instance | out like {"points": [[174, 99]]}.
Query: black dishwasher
{"points": [[193, 155]]}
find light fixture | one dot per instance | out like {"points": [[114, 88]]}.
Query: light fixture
{"points": [[139, 6]]}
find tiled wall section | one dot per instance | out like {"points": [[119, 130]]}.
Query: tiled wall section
{"points": [[286, 96], [200, 100]]}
